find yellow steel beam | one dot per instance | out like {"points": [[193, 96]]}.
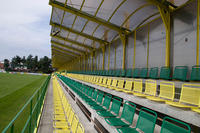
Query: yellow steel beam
{"points": [[74, 42], [197, 49], [148, 47], [64, 50], [67, 47], [166, 16], [88, 16], [103, 63], [109, 57], [134, 49], [61, 52], [124, 42], [115, 63], [79, 33]]}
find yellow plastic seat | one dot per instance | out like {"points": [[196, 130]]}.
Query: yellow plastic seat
{"points": [[100, 81], [108, 82], [80, 128], [189, 98], [167, 92], [59, 117], [104, 81], [137, 88], [128, 87], [60, 124], [61, 131], [114, 84], [150, 88], [120, 85], [74, 124], [70, 118]]}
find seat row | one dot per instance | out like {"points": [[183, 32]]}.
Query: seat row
{"points": [[108, 107], [64, 118], [189, 95], [180, 73]]}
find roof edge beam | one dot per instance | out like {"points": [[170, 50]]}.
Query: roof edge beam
{"points": [[74, 42], [64, 50], [79, 33], [88, 16], [68, 47]]}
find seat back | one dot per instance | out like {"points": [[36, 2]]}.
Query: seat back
{"points": [[100, 80], [128, 112], [80, 128], [114, 83], [123, 73], [100, 97], [167, 90], [71, 116], [128, 85], [165, 73], [169, 126], [120, 84], [150, 87], [74, 124], [195, 74], [97, 80], [137, 85], [143, 73], [129, 73], [94, 96], [117, 73], [106, 102], [146, 120], [153, 74], [115, 106], [104, 81], [136, 72], [190, 94], [109, 81], [180, 73]]}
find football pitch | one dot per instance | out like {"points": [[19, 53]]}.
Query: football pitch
{"points": [[15, 90]]}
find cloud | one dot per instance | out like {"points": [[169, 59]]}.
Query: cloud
{"points": [[25, 29]]}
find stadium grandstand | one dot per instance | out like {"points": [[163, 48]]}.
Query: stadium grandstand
{"points": [[123, 66]]}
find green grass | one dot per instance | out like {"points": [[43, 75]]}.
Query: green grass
{"points": [[15, 90]]}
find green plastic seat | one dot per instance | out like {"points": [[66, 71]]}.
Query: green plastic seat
{"points": [[143, 73], [113, 112], [146, 122], [168, 126], [153, 74], [127, 115], [165, 73], [129, 73], [195, 74], [136, 72], [117, 73], [180, 73], [99, 100], [105, 105], [123, 73]]}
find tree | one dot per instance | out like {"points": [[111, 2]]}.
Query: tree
{"points": [[45, 65], [13, 63], [35, 63], [29, 62], [18, 61], [6, 64], [23, 61]]}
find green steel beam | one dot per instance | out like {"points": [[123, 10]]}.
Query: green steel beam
{"points": [[68, 47], [74, 42], [64, 50], [79, 33], [88, 16]]}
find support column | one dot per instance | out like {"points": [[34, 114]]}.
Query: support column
{"points": [[92, 55], [197, 47], [148, 47], [108, 56], [124, 42], [134, 49], [115, 57], [103, 63], [166, 16]]}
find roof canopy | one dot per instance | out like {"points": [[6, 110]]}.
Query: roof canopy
{"points": [[82, 26]]}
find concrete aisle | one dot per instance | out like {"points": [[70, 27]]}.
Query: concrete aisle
{"points": [[46, 123]]}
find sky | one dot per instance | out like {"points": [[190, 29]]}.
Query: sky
{"points": [[24, 28]]}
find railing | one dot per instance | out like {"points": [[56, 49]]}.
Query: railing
{"points": [[26, 120]]}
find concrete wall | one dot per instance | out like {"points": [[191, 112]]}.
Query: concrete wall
{"points": [[183, 45]]}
